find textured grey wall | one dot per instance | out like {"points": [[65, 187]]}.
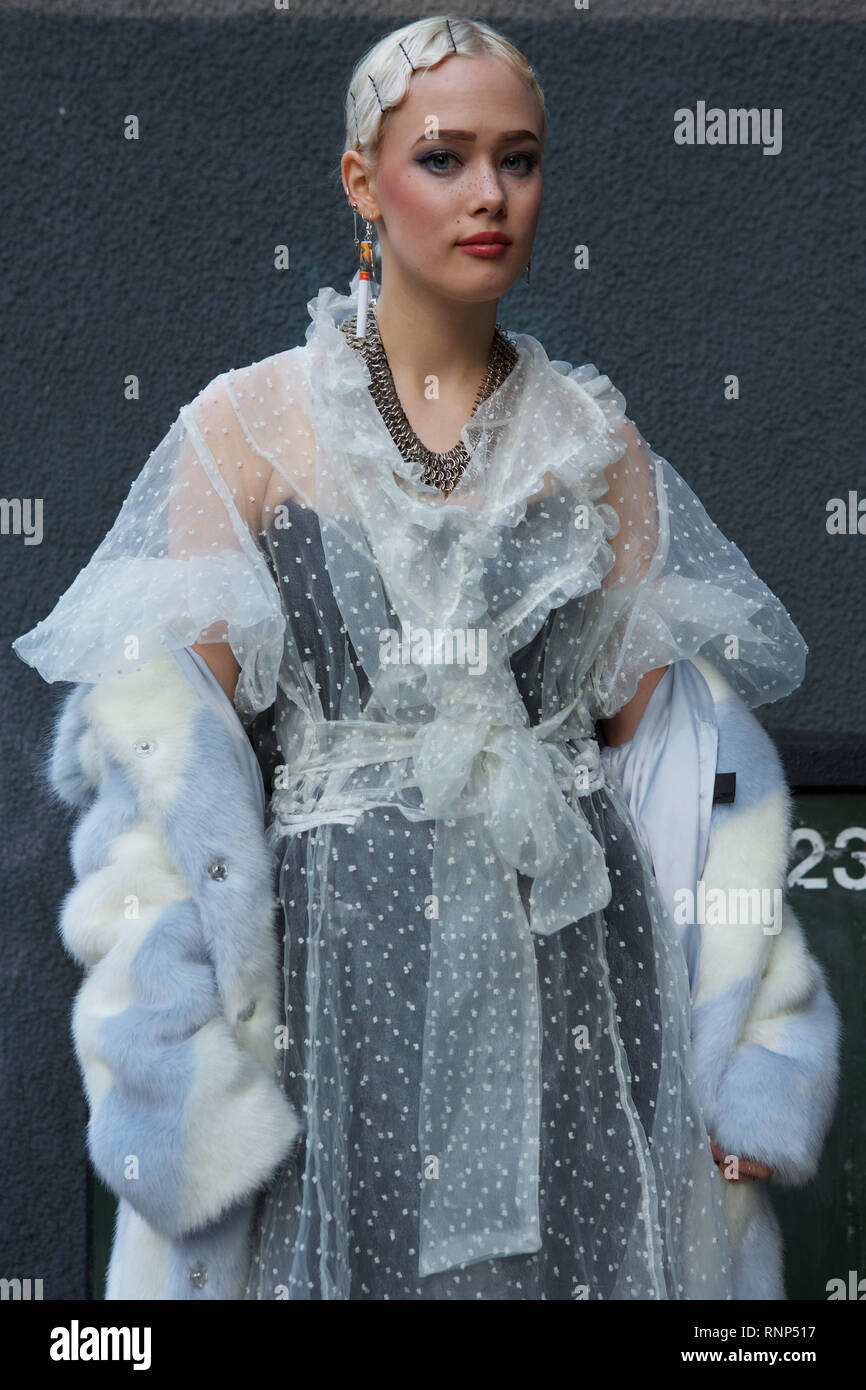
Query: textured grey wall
{"points": [[156, 257]]}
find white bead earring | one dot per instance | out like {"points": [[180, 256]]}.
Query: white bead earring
{"points": [[367, 272]]}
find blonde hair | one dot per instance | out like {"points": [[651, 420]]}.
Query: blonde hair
{"points": [[384, 72]]}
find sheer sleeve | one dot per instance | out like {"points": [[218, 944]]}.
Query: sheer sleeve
{"points": [[183, 561], [677, 586]]}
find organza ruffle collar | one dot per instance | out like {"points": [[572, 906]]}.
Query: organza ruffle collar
{"points": [[526, 401]]}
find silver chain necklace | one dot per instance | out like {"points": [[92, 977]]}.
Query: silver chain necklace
{"points": [[440, 470]]}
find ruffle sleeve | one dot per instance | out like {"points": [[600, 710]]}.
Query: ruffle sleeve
{"points": [[678, 586], [181, 564]]}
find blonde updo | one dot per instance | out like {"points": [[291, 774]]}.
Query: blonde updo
{"points": [[423, 44]]}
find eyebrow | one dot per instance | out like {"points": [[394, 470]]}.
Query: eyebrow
{"points": [[470, 135]]}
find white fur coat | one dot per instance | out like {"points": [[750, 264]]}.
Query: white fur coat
{"points": [[765, 1031]]}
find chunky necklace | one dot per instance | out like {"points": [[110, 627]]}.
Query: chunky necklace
{"points": [[440, 470]]}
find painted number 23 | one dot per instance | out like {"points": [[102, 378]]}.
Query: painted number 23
{"points": [[797, 875]]}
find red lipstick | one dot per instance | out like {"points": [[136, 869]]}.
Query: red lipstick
{"points": [[485, 245]]}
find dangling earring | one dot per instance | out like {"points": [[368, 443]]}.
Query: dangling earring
{"points": [[528, 264], [366, 273]]}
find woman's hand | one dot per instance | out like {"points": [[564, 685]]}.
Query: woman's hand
{"points": [[747, 1168]]}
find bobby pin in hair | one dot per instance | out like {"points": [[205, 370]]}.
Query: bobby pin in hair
{"points": [[376, 90]]}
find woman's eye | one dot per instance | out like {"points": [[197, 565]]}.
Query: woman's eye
{"points": [[437, 154], [529, 161]]}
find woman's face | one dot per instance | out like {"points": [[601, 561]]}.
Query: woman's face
{"points": [[460, 155]]}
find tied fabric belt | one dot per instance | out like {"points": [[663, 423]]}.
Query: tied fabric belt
{"points": [[505, 798]]}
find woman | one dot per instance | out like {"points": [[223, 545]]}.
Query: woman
{"points": [[426, 565]]}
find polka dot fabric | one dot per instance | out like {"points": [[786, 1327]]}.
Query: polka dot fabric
{"points": [[487, 1008]]}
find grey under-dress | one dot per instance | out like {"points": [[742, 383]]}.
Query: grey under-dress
{"points": [[355, 985]]}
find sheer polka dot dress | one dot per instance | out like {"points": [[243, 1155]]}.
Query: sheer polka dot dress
{"points": [[342, 1219], [486, 1006]]}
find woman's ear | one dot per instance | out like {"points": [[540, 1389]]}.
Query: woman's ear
{"points": [[359, 185]]}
